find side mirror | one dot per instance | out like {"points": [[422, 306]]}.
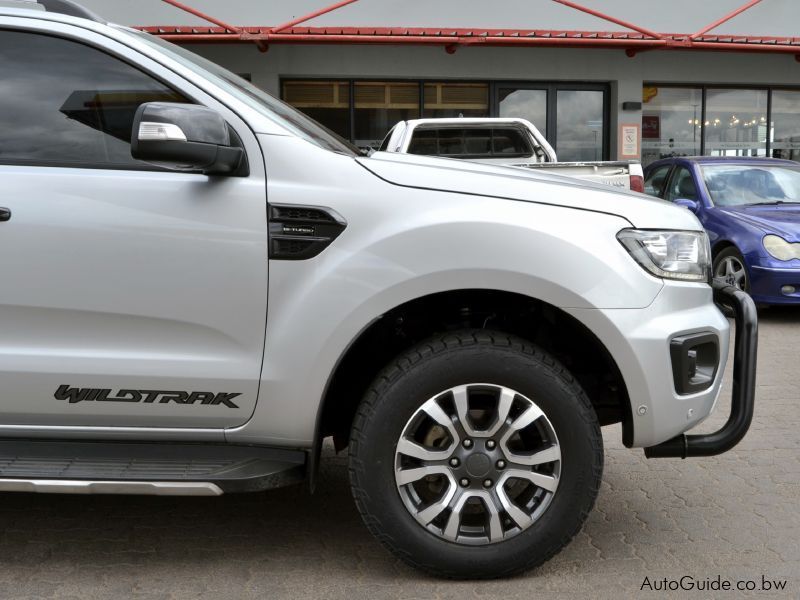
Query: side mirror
{"points": [[686, 203], [184, 137]]}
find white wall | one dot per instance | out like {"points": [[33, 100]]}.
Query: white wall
{"points": [[626, 75]]}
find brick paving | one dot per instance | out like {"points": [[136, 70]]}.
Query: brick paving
{"points": [[735, 515]]}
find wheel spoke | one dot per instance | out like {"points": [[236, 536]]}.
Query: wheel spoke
{"points": [[519, 516], [414, 450], [435, 412], [434, 510], [494, 526], [406, 476], [461, 400], [504, 403], [546, 482], [521, 422], [551, 454]]}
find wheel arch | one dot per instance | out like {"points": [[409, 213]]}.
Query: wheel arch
{"points": [[407, 324]]}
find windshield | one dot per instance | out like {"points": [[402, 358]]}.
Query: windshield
{"points": [[277, 110], [739, 185]]}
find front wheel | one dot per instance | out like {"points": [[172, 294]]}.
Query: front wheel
{"points": [[729, 266], [475, 455]]}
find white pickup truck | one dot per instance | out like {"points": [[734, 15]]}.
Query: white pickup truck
{"points": [[200, 284], [503, 141]]}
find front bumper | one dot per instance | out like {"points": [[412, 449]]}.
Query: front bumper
{"points": [[640, 341], [767, 283], [744, 386]]}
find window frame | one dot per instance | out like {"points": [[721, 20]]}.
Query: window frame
{"points": [[139, 166]]}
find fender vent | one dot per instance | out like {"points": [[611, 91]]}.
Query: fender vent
{"points": [[302, 232], [297, 213]]}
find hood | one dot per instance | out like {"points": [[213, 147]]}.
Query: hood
{"points": [[516, 183], [783, 219]]}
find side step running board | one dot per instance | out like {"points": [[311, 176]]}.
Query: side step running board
{"points": [[144, 488], [88, 467]]}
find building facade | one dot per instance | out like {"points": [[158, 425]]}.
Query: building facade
{"points": [[604, 79]]}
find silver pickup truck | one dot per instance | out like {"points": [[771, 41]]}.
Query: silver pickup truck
{"points": [[200, 284], [504, 142]]}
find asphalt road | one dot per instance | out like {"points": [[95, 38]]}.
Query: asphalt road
{"points": [[735, 516]]}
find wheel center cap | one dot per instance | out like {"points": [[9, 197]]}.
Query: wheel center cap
{"points": [[478, 465]]}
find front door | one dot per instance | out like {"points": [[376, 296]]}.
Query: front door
{"points": [[130, 296]]}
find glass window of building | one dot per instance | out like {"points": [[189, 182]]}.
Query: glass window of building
{"points": [[448, 100], [379, 105], [524, 104], [327, 102], [671, 122], [736, 122], [785, 124], [579, 125]]}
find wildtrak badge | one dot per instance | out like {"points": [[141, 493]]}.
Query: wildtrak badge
{"points": [[74, 395]]}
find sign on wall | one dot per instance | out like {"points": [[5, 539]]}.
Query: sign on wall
{"points": [[629, 141], [651, 127]]}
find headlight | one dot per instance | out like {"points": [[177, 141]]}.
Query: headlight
{"points": [[779, 248], [683, 255]]}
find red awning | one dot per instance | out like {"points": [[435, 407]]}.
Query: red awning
{"points": [[471, 37], [637, 40]]}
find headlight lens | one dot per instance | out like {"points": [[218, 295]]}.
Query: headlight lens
{"points": [[779, 248], [683, 255]]}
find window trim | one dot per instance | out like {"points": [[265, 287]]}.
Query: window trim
{"points": [[139, 166]]}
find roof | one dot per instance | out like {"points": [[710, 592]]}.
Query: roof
{"points": [[731, 160]]}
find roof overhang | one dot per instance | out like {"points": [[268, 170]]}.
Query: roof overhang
{"points": [[635, 42], [637, 39]]}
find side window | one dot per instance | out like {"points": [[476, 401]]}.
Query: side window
{"points": [[656, 181], [681, 185], [510, 142], [476, 142], [65, 103]]}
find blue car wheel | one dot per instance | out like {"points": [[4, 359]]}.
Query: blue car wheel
{"points": [[729, 266]]}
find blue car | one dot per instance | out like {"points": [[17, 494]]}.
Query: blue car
{"points": [[750, 208]]}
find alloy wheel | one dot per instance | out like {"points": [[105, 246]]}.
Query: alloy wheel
{"points": [[732, 271], [477, 464]]}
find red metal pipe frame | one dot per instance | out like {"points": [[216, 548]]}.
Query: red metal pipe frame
{"points": [[724, 19], [605, 17], [311, 15], [657, 41], [638, 45]]}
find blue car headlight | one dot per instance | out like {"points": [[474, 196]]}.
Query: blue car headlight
{"points": [[779, 248], [682, 255]]}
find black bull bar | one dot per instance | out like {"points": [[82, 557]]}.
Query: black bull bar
{"points": [[744, 384]]}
